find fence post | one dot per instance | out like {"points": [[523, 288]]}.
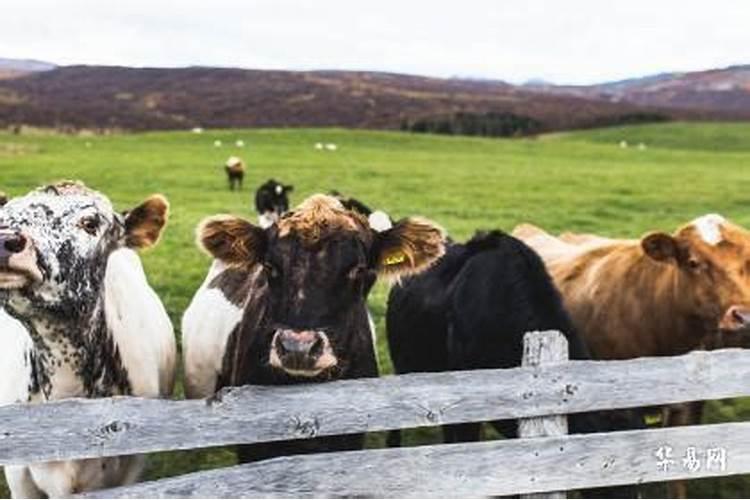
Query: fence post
{"points": [[542, 348]]}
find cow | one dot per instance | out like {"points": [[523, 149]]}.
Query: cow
{"points": [[272, 201], [661, 295], [470, 311], [287, 304], [79, 319], [235, 169], [3, 198]]}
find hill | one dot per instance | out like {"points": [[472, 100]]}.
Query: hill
{"points": [[180, 98], [724, 91]]}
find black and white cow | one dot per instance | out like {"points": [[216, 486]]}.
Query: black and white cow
{"points": [[79, 319], [471, 310], [287, 304], [235, 169], [271, 201]]}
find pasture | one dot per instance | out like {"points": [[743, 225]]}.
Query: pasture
{"points": [[582, 181]]}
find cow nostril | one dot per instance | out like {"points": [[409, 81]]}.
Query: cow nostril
{"points": [[15, 244], [739, 317], [317, 347]]}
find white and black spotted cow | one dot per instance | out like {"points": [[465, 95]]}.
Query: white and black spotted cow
{"points": [[287, 304], [271, 201], [79, 319]]}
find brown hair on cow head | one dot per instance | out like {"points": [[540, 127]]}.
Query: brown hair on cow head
{"points": [[712, 256]]}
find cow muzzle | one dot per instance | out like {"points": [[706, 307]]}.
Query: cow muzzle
{"points": [[18, 267], [304, 353], [736, 319]]}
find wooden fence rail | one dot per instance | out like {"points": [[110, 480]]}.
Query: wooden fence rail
{"points": [[550, 387]]}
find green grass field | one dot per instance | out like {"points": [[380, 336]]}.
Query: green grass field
{"points": [[580, 181]]}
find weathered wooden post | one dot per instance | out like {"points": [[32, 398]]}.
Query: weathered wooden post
{"points": [[544, 348]]}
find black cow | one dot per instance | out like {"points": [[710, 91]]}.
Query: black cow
{"points": [[235, 169], [272, 201], [471, 310], [287, 304]]}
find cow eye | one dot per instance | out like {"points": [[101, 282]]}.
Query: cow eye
{"points": [[90, 224]]}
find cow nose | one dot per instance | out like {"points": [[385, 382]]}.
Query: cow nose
{"points": [[736, 318], [304, 343], [11, 242]]}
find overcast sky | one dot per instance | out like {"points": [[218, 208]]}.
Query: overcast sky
{"points": [[564, 41]]}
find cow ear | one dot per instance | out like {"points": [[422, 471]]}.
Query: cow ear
{"points": [[409, 247], [289, 188], [660, 246], [144, 223], [232, 240]]}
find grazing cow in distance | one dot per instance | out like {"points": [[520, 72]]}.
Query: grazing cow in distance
{"points": [[235, 169], [659, 296], [470, 311], [3, 198], [272, 201], [79, 319], [287, 304]]}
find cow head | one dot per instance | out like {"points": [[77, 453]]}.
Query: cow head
{"points": [[55, 242], [318, 265], [712, 256], [272, 201]]}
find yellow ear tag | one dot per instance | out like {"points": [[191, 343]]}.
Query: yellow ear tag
{"points": [[396, 258]]}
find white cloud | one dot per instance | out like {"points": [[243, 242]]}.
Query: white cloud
{"points": [[572, 41]]}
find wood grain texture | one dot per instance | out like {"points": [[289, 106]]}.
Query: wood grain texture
{"points": [[541, 349], [105, 427], [469, 470]]}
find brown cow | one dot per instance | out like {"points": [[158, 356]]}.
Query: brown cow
{"points": [[658, 296], [235, 169]]}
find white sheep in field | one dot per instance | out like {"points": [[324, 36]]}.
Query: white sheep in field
{"points": [[319, 146], [217, 143], [197, 130], [240, 143], [624, 144], [641, 146], [331, 147]]}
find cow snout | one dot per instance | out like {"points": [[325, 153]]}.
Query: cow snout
{"points": [[301, 353], [737, 318], [18, 264], [11, 242]]}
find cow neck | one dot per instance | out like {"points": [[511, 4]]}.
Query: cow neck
{"points": [[650, 301], [74, 354]]}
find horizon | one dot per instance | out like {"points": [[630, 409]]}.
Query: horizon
{"points": [[580, 42], [530, 81]]}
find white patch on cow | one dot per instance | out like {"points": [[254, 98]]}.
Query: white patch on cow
{"points": [[15, 368], [709, 228], [206, 326], [279, 189], [267, 219], [140, 326], [379, 221]]}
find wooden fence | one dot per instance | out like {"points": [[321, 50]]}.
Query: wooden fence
{"points": [[540, 393]]}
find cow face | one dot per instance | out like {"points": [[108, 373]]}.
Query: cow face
{"points": [[318, 265], [712, 255], [55, 242]]}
